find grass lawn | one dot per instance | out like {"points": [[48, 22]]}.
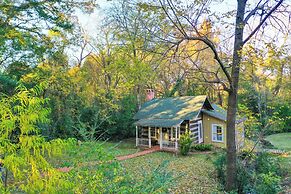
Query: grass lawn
{"points": [[89, 152], [281, 141], [193, 174]]}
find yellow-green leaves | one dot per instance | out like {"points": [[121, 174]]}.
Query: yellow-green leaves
{"points": [[22, 148]]}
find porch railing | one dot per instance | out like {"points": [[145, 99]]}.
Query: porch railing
{"points": [[142, 142], [168, 144]]}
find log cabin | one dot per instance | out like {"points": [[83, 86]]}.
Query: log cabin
{"points": [[162, 121]]}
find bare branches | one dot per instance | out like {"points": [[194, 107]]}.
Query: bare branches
{"points": [[178, 26], [198, 37], [212, 47], [253, 12], [262, 21]]}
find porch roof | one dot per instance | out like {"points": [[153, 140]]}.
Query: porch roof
{"points": [[159, 122]]}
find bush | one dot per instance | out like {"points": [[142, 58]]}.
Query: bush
{"points": [[201, 147], [185, 143], [256, 174], [267, 163], [268, 183], [220, 166]]}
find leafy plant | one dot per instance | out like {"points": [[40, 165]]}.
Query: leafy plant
{"points": [[220, 165], [268, 183], [185, 143], [22, 148], [201, 147], [260, 173]]}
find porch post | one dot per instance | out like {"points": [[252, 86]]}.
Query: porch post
{"points": [[136, 136], [161, 138], [176, 138], [150, 142]]}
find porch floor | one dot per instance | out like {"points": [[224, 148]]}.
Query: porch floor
{"points": [[144, 152]]}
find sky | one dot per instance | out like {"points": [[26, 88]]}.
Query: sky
{"points": [[91, 22]]}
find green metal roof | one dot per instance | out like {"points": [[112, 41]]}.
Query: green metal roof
{"points": [[218, 112], [158, 122], [168, 112], [184, 108]]}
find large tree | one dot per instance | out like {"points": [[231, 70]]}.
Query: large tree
{"points": [[251, 19]]}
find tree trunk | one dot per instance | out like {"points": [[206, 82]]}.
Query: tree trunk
{"points": [[231, 169], [231, 148]]}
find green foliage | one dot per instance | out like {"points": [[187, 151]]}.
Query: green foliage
{"points": [[95, 170], [31, 29], [22, 149], [111, 178], [268, 183], [259, 173], [266, 163], [280, 119], [220, 165], [202, 147], [123, 118], [185, 143]]}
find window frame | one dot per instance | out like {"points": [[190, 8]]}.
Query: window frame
{"points": [[214, 127]]}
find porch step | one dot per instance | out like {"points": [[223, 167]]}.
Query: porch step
{"points": [[148, 151]]}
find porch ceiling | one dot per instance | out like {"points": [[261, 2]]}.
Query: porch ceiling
{"points": [[158, 122]]}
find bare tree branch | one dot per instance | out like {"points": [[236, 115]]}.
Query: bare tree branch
{"points": [[262, 22]]}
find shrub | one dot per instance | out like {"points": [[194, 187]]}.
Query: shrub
{"points": [[256, 174], [185, 143], [268, 183], [267, 163], [201, 147], [220, 165]]}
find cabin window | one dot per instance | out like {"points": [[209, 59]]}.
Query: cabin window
{"points": [[217, 133]]}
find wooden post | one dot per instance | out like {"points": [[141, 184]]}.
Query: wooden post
{"points": [[149, 133], [179, 132], [176, 138], [136, 136], [161, 138]]}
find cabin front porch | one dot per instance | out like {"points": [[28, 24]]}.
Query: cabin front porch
{"points": [[165, 137], [168, 137]]}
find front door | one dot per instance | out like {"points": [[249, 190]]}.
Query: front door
{"points": [[200, 132]]}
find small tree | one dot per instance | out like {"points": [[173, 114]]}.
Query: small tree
{"points": [[22, 148], [185, 143]]}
